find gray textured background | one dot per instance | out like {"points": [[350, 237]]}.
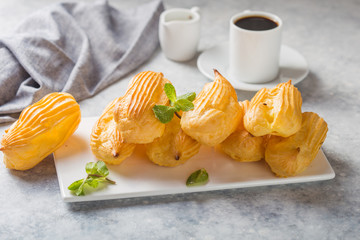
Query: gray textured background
{"points": [[327, 34]]}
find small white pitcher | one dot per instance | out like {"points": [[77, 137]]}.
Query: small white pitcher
{"points": [[179, 33]]}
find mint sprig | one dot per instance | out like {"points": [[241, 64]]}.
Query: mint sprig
{"points": [[97, 173], [177, 103]]}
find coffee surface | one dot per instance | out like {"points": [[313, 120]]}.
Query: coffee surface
{"points": [[256, 23]]}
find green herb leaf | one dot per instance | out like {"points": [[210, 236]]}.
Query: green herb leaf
{"points": [[189, 96], [170, 92], [101, 168], [177, 107], [97, 173], [184, 104], [164, 113], [75, 185], [93, 182], [198, 178], [80, 191], [90, 168]]}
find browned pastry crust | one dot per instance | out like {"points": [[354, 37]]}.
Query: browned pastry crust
{"points": [[133, 114], [241, 145], [216, 113], [105, 140], [292, 155], [173, 148], [40, 130], [275, 111]]}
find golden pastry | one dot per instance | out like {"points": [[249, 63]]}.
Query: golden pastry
{"points": [[173, 148], [275, 111], [105, 140], [241, 145], [292, 155], [40, 130], [216, 113], [244, 106], [133, 113]]}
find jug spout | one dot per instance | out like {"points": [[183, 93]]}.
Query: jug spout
{"points": [[180, 16]]}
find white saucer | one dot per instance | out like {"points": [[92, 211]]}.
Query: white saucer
{"points": [[292, 66]]}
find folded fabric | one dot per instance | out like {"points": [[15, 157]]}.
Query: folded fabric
{"points": [[79, 48]]}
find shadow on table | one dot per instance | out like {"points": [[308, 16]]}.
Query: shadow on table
{"points": [[42, 172], [314, 90]]}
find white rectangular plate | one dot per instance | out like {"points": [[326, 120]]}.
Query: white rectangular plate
{"points": [[137, 176]]}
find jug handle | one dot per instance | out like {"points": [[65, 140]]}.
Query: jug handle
{"points": [[195, 9]]}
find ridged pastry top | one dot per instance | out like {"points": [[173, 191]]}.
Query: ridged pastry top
{"points": [[105, 140], [134, 115], [142, 93], [215, 95], [104, 126], [313, 131], [39, 118], [275, 111], [292, 155], [216, 113]]}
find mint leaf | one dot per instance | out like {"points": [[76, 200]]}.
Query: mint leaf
{"points": [[170, 92], [93, 182], [90, 168], [101, 168], [198, 178], [164, 113], [75, 185], [80, 191], [189, 96], [97, 173], [184, 104], [177, 107]]}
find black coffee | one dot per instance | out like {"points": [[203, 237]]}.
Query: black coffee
{"points": [[256, 23]]}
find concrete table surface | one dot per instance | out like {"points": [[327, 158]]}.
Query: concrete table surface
{"points": [[327, 33]]}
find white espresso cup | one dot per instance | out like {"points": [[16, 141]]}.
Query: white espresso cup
{"points": [[254, 51], [179, 33]]}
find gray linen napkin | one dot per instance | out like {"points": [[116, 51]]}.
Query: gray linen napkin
{"points": [[79, 48]]}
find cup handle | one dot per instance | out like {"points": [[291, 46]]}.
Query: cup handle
{"points": [[195, 9]]}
